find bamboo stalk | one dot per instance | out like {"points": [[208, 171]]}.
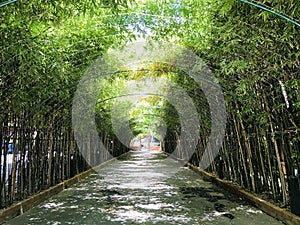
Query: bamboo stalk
{"points": [[262, 163], [241, 154], [49, 177]]}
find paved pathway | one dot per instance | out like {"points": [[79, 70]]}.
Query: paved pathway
{"points": [[142, 188]]}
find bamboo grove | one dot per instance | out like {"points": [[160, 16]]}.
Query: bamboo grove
{"points": [[254, 54], [40, 43], [256, 58]]}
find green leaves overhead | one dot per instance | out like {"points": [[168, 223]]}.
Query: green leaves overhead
{"points": [[46, 46]]}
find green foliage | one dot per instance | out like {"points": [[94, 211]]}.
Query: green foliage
{"points": [[46, 46]]}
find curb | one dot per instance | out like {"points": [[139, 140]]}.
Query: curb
{"points": [[269, 208]]}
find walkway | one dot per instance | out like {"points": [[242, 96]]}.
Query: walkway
{"points": [[142, 188]]}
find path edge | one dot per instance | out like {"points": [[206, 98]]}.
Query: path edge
{"points": [[269, 208], [21, 207]]}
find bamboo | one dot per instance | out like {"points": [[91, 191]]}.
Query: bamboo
{"points": [[14, 163], [266, 145], [281, 175], [1, 174], [30, 168], [3, 178], [49, 180], [269, 165], [242, 173], [228, 163], [249, 153], [262, 163]]}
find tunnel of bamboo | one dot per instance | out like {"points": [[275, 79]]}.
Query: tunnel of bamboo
{"points": [[253, 52]]}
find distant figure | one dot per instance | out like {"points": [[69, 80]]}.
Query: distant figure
{"points": [[10, 148]]}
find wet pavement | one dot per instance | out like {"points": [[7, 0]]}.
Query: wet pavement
{"points": [[144, 188]]}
